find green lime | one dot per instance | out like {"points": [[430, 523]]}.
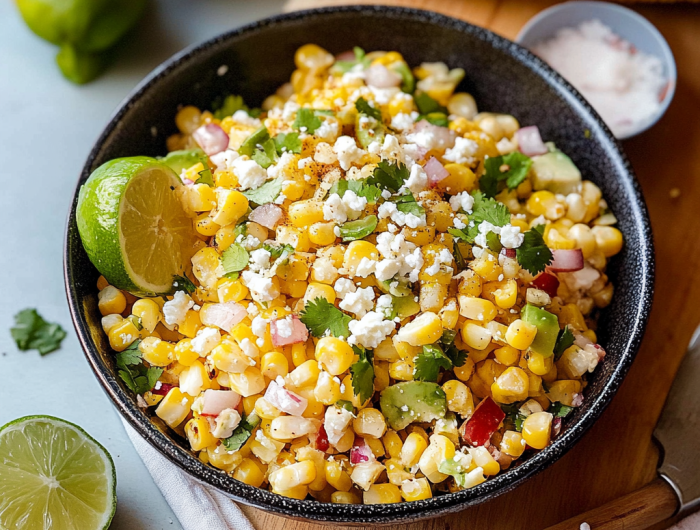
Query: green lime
{"points": [[53, 475], [133, 226]]}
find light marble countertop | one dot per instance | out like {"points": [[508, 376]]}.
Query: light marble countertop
{"points": [[47, 127]]}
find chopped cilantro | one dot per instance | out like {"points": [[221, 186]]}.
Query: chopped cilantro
{"points": [[266, 193], [306, 121], [389, 176], [137, 377], [493, 242], [32, 332], [363, 374], [363, 107], [234, 259], [359, 187], [484, 209], [511, 168], [344, 404], [266, 155], [183, 283], [320, 316], [205, 176], [451, 466], [341, 67], [457, 251], [534, 254], [427, 105], [436, 118], [242, 432], [359, 229], [559, 410], [229, 105], [287, 142], [253, 142], [406, 203], [428, 364], [448, 337], [408, 82], [514, 416], [565, 339], [456, 356], [277, 251]]}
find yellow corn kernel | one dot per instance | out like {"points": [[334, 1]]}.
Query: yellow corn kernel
{"points": [[231, 290], [231, 206], [122, 335], [249, 403], [489, 370], [506, 296], [386, 351], [470, 284], [274, 364], [413, 447], [608, 239], [369, 423], [194, 379], [571, 315], [299, 492], [459, 398], [439, 450], [205, 264], [266, 410], [299, 354], [513, 444], [402, 370], [475, 335], [298, 238], [322, 234], [392, 443], [225, 178], [157, 352], [205, 226], [381, 494], [416, 490], [148, 311], [345, 443], [265, 448], [248, 383], [432, 296], [376, 447], [174, 407], [346, 497], [293, 189], [334, 354], [219, 457], [102, 283], [306, 374], [312, 57], [483, 459], [197, 198], [520, 334], [191, 325], [477, 309], [199, 434], [564, 391], [396, 473], [225, 237], [420, 236], [539, 364], [425, 329], [327, 390], [337, 477], [536, 429], [319, 290], [465, 371], [249, 473], [507, 355], [111, 301], [184, 354], [512, 385], [229, 357], [487, 267], [449, 314], [305, 213], [291, 476], [461, 179], [545, 203], [354, 254], [307, 453], [188, 119]]}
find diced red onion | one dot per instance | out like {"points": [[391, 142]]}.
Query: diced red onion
{"points": [[211, 138], [530, 142], [267, 215], [225, 315], [444, 136], [285, 400], [380, 76], [215, 401], [187, 182], [161, 389], [360, 452], [299, 332], [582, 279], [345, 56], [577, 400], [322, 443], [508, 252], [546, 282], [556, 427], [566, 260], [435, 171]]}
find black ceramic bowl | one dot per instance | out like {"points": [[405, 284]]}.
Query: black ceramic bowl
{"points": [[503, 77]]}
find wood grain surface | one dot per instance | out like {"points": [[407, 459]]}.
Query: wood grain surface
{"points": [[618, 455]]}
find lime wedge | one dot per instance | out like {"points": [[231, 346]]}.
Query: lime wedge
{"points": [[53, 475], [133, 226]]}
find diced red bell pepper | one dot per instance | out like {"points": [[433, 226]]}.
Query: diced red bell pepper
{"points": [[546, 282], [322, 440], [478, 429], [162, 390]]}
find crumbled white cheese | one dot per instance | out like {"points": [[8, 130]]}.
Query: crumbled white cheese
{"points": [[417, 179], [403, 121], [385, 305], [462, 201], [343, 286], [261, 288], [387, 269], [250, 174], [328, 130], [242, 117], [370, 330], [176, 309], [259, 260], [358, 302], [224, 159], [384, 95], [336, 421], [259, 326], [205, 341], [347, 151], [334, 209], [458, 223], [284, 162], [324, 154], [289, 110], [226, 422], [354, 205], [250, 349], [285, 327], [324, 270], [511, 236], [304, 162], [463, 151], [365, 267]]}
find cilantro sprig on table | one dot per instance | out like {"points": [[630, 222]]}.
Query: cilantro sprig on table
{"points": [[511, 168], [32, 332], [133, 372], [363, 374], [320, 316]]}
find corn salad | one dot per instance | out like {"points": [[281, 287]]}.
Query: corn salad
{"points": [[394, 295]]}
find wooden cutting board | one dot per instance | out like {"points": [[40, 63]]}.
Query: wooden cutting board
{"points": [[617, 455]]}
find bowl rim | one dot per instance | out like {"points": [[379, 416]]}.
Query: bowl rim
{"points": [[398, 512], [668, 58]]}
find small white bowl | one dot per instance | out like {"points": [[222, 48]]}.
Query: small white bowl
{"points": [[626, 23]]}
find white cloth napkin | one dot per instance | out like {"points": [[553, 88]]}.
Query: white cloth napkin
{"points": [[195, 506], [692, 522]]}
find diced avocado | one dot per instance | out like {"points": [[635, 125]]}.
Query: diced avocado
{"points": [[179, 160], [547, 326], [395, 287], [555, 172], [405, 306], [404, 403], [366, 134]]}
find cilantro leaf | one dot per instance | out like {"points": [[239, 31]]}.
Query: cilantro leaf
{"points": [[257, 138], [353, 230], [183, 283], [341, 67], [456, 356], [428, 364], [448, 337], [565, 339], [306, 121], [514, 416], [488, 209], [277, 251], [137, 377], [408, 82], [363, 374], [407, 203], [558, 410], [363, 107], [359, 187], [234, 258], [493, 242], [131, 356], [287, 142], [205, 176], [242, 432], [319, 315], [511, 168], [344, 404], [389, 176], [266, 156], [266, 193], [427, 105], [32, 332], [534, 254]]}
